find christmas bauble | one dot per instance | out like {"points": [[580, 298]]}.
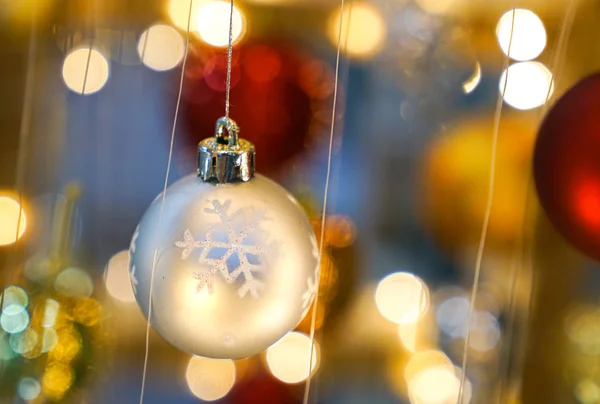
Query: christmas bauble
{"points": [[235, 266], [567, 168]]}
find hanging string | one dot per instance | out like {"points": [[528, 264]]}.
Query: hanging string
{"points": [[324, 211], [162, 203], [25, 130], [488, 211], [229, 58], [87, 68], [556, 69]]}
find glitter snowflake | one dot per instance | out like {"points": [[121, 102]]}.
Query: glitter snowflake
{"points": [[132, 276], [234, 246]]}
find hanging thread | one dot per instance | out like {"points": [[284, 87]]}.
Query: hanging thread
{"points": [[163, 197], [229, 58], [324, 212], [487, 214], [556, 68]]}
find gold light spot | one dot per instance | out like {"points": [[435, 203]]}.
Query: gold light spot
{"points": [[289, 357], [68, 346], [528, 34], [210, 379], [85, 70], [472, 82], [117, 278], [57, 379], [363, 30], [527, 85], [179, 11], [87, 312], [402, 298], [11, 213], [161, 47], [213, 23]]}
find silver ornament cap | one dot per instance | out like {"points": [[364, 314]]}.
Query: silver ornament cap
{"points": [[226, 157]]}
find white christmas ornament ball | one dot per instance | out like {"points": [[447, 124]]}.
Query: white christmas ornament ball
{"points": [[236, 266]]}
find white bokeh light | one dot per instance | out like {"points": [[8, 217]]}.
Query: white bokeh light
{"points": [[402, 298], [527, 85], [528, 34], [289, 357], [116, 278], [213, 23], [161, 47], [210, 379], [85, 70]]}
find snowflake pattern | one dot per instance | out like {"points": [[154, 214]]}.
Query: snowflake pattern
{"points": [[243, 253], [132, 275]]}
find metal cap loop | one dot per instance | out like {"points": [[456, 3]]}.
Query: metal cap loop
{"points": [[226, 157]]}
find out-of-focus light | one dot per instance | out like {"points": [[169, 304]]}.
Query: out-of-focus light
{"points": [[587, 392], [363, 30], [117, 277], [14, 300], [402, 298], [423, 360], [57, 379], [29, 388], [528, 34], [213, 23], [11, 213], [210, 379], [485, 332], [74, 282], [179, 11], [582, 325], [15, 322], [68, 346], [451, 315], [6, 353], [87, 312], [289, 357], [161, 47], [472, 82], [527, 85], [83, 60], [50, 313], [438, 385], [49, 339], [23, 342]]}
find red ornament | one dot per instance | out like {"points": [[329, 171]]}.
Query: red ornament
{"points": [[566, 165], [277, 94]]}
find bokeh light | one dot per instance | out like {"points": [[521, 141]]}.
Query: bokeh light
{"points": [[437, 6], [528, 34], [29, 388], [24, 341], [49, 339], [213, 23], [408, 336], [424, 360], [14, 300], [161, 47], [451, 315], [402, 298], [485, 331], [80, 61], [14, 322], [117, 277], [438, 385], [74, 282], [50, 313], [289, 357], [179, 11], [472, 82], [363, 30], [587, 391], [527, 85], [11, 214], [210, 379], [57, 379]]}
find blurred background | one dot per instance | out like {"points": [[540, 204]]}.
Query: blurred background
{"points": [[88, 95]]}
